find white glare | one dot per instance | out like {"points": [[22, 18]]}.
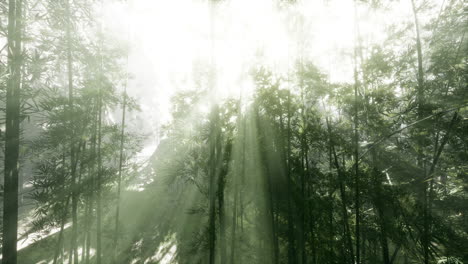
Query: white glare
{"points": [[171, 45]]}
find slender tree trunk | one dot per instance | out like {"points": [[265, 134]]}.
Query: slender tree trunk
{"points": [[242, 183], [213, 142], [356, 146], [379, 208], [363, 248], [223, 165], [58, 248], [356, 177], [302, 231], [99, 183], [234, 215], [66, 201], [357, 196], [12, 134], [234, 222], [291, 240], [271, 211], [119, 180], [91, 184], [73, 258], [269, 189], [420, 111], [313, 244], [212, 184], [99, 148], [91, 199], [343, 197], [81, 186], [86, 240], [330, 199], [88, 219], [383, 237], [222, 220], [237, 193], [395, 253]]}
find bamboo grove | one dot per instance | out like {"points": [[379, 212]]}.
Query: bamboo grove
{"points": [[302, 170]]}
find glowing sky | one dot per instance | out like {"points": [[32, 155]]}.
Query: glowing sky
{"points": [[170, 40]]}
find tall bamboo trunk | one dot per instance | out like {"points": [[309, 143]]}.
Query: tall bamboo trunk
{"points": [[269, 193], [303, 231], [99, 148], [86, 237], [379, 208], [59, 245], [291, 236], [237, 190], [212, 185], [357, 196], [420, 155], [88, 224], [91, 184], [119, 180], [234, 220], [81, 186], [12, 134], [234, 223], [221, 216], [330, 210], [73, 257], [343, 197], [242, 183], [99, 184], [221, 207], [213, 145]]}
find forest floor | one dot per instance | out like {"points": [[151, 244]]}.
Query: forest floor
{"points": [[34, 247], [40, 247]]}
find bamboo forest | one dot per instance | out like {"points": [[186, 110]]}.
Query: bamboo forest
{"points": [[234, 131]]}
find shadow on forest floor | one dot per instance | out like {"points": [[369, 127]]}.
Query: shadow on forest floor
{"points": [[142, 241]]}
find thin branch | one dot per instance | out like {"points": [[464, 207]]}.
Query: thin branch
{"points": [[408, 126]]}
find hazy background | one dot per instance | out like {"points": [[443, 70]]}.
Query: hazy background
{"points": [[170, 45]]}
